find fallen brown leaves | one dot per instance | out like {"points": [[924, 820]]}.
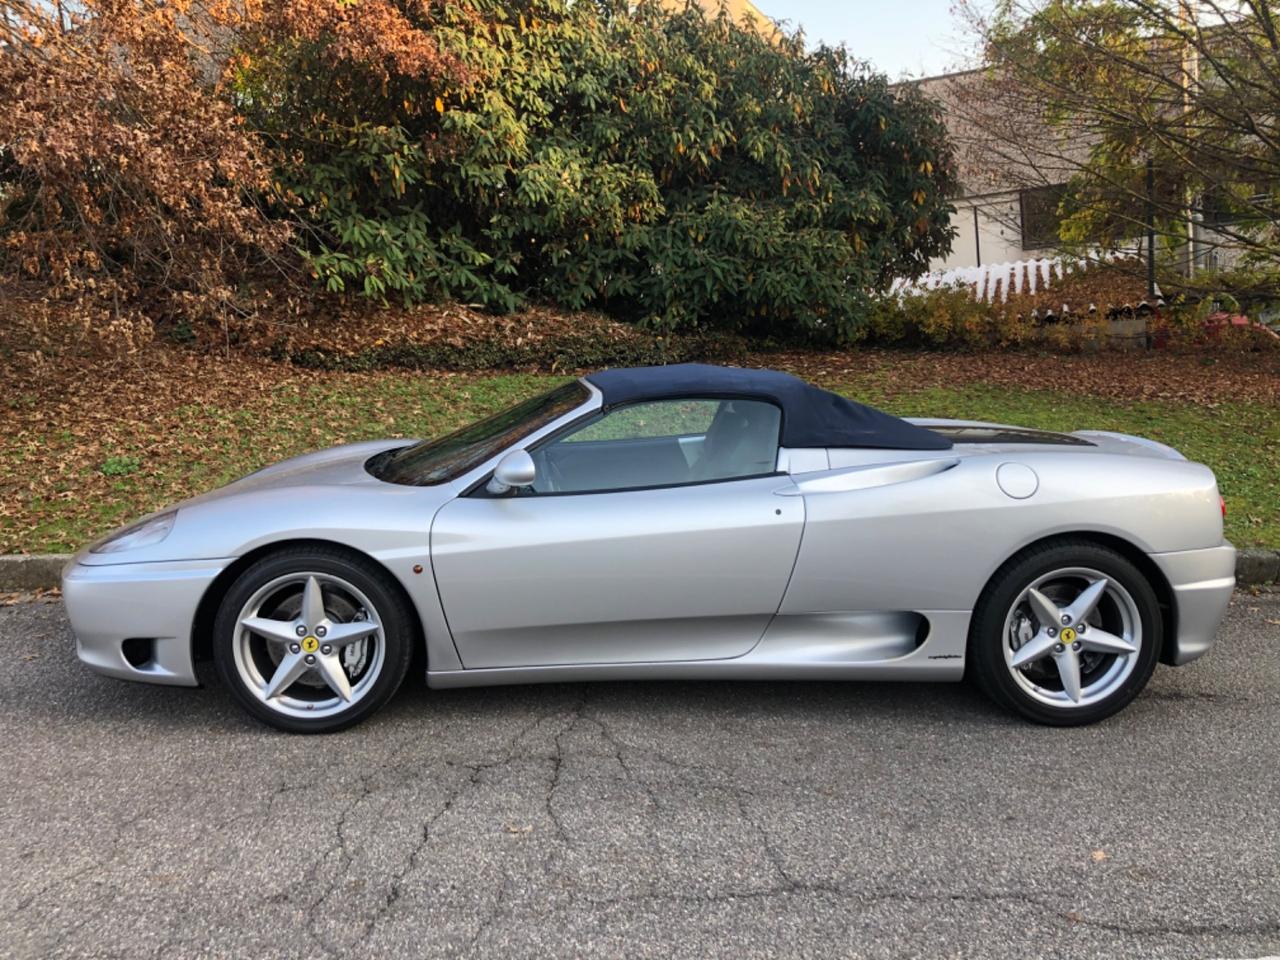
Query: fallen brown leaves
{"points": [[1201, 378], [35, 596], [64, 417], [339, 327], [89, 444], [1114, 288]]}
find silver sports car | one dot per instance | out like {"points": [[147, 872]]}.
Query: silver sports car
{"points": [[674, 522]]}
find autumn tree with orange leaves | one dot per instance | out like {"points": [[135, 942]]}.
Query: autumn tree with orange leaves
{"points": [[209, 163], [131, 188]]}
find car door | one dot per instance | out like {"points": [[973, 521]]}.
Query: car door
{"points": [[591, 566]]}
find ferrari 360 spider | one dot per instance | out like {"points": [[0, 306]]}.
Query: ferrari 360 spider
{"points": [[674, 522]]}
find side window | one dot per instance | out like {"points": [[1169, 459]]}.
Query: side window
{"points": [[662, 418], [662, 443]]}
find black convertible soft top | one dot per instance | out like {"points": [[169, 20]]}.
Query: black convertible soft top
{"points": [[811, 417]]}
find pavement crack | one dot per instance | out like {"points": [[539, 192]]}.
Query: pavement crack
{"points": [[345, 857], [475, 773], [1255, 929], [802, 888], [771, 851], [607, 735], [557, 768], [490, 918], [864, 897], [118, 837]]}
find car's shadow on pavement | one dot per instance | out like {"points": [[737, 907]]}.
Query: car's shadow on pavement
{"points": [[726, 700], [105, 701], [45, 682], [48, 683]]}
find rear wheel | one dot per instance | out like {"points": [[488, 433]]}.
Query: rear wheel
{"points": [[313, 640], [1066, 634]]}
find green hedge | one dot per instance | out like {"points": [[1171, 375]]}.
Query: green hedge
{"points": [[680, 171]]}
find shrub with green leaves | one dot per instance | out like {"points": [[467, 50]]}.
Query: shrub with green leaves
{"points": [[674, 169]]}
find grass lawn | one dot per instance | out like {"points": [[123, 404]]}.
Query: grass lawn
{"points": [[94, 452]]}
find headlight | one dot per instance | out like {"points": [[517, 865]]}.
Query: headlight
{"points": [[144, 533]]}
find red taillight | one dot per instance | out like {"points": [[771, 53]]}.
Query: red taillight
{"points": [[1222, 502]]}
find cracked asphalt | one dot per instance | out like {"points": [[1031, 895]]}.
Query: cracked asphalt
{"points": [[636, 820]]}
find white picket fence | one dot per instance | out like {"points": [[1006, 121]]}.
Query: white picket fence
{"points": [[993, 281]]}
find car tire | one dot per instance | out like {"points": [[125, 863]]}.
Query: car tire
{"points": [[322, 686], [1011, 624]]}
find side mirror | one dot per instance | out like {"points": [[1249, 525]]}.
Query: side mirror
{"points": [[514, 470]]}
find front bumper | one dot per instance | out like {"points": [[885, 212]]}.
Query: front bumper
{"points": [[152, 602], [1202, 582]]}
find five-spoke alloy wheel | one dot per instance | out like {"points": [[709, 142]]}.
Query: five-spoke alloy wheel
{"points": [[1067, 633], [312, 639]]}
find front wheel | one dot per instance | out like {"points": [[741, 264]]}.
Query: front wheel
{"points": [[313, 640], [1066, 633]]}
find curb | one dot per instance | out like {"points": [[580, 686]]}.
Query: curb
{"points": [[1255, 566], [21, 573]]}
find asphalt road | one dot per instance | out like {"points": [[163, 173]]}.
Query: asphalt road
{"points": [[636, 820]]}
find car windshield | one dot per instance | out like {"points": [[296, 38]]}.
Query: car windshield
{"points": [[448, 457]]}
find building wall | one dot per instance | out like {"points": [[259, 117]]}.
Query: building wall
{"points": [[994, 235], [988, 230]]}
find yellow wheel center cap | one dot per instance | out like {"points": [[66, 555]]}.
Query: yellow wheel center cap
{"points": [[311, 644], [1068, 635]]}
